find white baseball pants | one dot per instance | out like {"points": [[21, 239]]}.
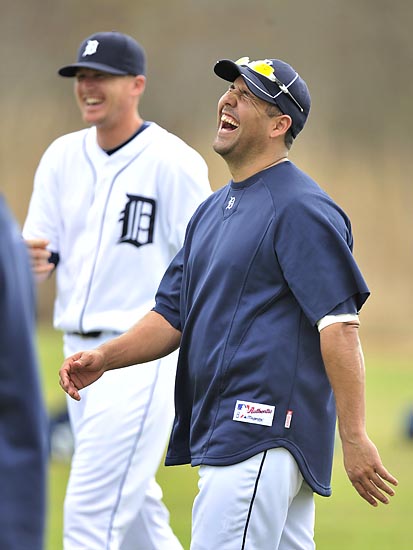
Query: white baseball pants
{"points": [[260, 504], [121, 427]]}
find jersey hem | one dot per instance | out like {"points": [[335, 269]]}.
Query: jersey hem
{"points": [[317, 487]]}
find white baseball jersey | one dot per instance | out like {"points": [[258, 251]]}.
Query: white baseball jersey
{"points": [[115, 220]]}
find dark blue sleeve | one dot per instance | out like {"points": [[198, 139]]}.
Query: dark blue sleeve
{"points": [[347, 307], [23, 429], [313, 243], [168, 296]]}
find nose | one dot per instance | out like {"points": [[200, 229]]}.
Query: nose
{"points": [[88, 81], [232, 93], [229, 98]]}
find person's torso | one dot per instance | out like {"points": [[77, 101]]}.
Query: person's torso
{"points": [[250, 363], [118, 226]]}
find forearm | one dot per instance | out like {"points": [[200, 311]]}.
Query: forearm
{"points": [[151, 338], [344, 364]]}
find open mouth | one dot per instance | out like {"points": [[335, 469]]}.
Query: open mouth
{"points": [[228, 123], [91, 101]]}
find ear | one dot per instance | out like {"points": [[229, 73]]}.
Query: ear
{"points": [[281, 125], [139, 84]]}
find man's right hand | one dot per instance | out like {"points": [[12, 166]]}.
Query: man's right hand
{"points": [[39, 257], [81, 370]]}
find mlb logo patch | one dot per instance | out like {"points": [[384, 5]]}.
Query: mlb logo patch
{"points": [[253, 413]]}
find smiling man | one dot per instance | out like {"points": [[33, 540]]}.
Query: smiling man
{"points": [[263, 300], [109, 210]]}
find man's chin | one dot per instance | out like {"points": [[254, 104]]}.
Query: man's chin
{"points": [[220, 148], [91, 118]]}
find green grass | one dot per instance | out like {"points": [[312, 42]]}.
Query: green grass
{"points": [[343, 521]]}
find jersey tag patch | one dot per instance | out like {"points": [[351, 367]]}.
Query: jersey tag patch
{"points": [[288, 418], [254, 413]]}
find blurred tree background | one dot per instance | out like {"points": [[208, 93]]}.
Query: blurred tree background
{"points": [[356, 57]]}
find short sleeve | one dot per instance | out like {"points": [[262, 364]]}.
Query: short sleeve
{"points": [[313, 243], [349, 306], [168, 296], [42, 220]]}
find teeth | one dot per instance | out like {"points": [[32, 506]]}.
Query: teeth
{"points": [[229, 120], [92, 101]]}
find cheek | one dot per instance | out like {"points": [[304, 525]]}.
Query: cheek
{"points": [[78, 91], [220, 106], [78, 97]]}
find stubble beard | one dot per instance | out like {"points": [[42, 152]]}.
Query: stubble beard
{"points": [[222, 149]]}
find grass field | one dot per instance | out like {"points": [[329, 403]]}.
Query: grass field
{"points": [[344, 520]]}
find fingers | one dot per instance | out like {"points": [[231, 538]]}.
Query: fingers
{"points": [[68, 386], [373, 487], [37, 249], [359, 487], [43, 268], [366, 471], [80, 370], [36, 243], [385, 474], [69, 367], [39, 257]]}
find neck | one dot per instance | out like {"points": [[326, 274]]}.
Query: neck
{"points": [[111, 137], [281, 159], [241, 173]]}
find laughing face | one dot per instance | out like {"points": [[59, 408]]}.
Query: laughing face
{"points": [[103, 99], [244, 126]]}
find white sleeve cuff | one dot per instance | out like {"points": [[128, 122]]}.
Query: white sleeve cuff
{"points": [[331, 319]]}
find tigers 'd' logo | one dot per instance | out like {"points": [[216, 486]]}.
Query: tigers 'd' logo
{"points": [[138, 220]]}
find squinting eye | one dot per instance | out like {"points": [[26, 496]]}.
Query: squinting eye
{"points": [[246, 94]]}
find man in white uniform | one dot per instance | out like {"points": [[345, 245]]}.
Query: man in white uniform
{"points": [[109, 209]]}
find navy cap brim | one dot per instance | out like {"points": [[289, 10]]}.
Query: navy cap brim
{"points": [[227, 69], [71, 70]]}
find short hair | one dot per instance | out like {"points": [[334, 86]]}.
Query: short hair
{"points": [[272, 111]]}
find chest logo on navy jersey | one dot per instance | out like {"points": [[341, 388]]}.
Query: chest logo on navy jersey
{"points": [[138, 220], [230, 204]]}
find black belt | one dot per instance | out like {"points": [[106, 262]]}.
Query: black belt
{"points": [[91, 334]]}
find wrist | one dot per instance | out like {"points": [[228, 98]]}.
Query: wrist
{"points": [[352, 435]]}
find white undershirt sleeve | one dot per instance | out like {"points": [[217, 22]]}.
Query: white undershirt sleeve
{"points": [[341, 318]]}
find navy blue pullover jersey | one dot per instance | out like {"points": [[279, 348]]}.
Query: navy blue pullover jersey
{"points": [[23, 421], [263, 261]]}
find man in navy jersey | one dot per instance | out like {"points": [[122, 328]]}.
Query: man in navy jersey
{"points": [[263, 300], [23, 427]]}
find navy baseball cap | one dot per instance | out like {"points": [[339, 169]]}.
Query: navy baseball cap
{"points": [[110, 52], [274, 81]]}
